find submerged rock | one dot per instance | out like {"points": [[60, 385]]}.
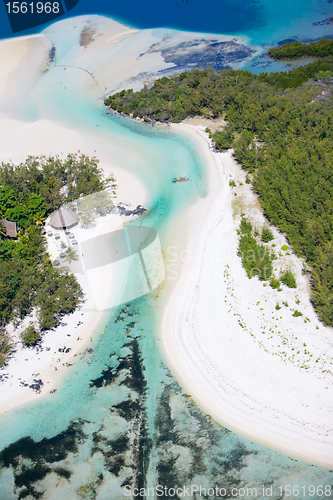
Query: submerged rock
{"points": [[180, 179]]}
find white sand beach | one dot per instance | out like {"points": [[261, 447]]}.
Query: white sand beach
{"points": [[257, 370], [50, 360], [22, 60]]}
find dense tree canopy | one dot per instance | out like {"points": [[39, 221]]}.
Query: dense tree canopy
{"points": [[292, 50], [206, 93], [29, 192], [280, 126], [51, 180]]}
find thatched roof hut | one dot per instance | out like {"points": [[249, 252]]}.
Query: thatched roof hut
{"points": [[11, 228], [64, 218]]}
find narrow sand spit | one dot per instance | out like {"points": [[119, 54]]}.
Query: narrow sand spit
{"points": [[255, 369]]}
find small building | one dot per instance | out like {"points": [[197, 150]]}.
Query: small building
{"points": [[64, 218], [11, 228]]}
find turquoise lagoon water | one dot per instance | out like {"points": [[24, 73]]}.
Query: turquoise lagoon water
{"points": [[120, 417]]}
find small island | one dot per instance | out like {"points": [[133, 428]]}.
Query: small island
{"points": [[29, 193], [295, 50]]}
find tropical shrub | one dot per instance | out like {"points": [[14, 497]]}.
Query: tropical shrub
{"points": [[274, 282], [256, 259], [266, 235], [5, 345], [30, 336], [288, 278]]}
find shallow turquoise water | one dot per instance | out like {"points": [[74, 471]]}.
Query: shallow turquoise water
{"points": [[120, 418]]}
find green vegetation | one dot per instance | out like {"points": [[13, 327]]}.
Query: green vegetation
{"points": [[209, 132], [232, 183], [210, 94], [326, 76], [70, 254], [256, 259], [277, 307], [297, 313], [288, 278], [29, 192], [284, 248], [274, 282], [245, 225], [48, 182], [30, 336], [281, 132], [5, 345], [292, 50], [266, 235]]}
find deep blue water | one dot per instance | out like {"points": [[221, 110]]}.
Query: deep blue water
{"points": [[221, 16], [263, 21]]}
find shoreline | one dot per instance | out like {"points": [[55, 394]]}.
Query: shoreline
{"points": [[222, 364], [51, 370], [35, 372], [186, 364], [24, 61], [209, 344]]}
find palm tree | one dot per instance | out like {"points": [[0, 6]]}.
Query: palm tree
{"points": [[70, 254], [39, 219]]}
